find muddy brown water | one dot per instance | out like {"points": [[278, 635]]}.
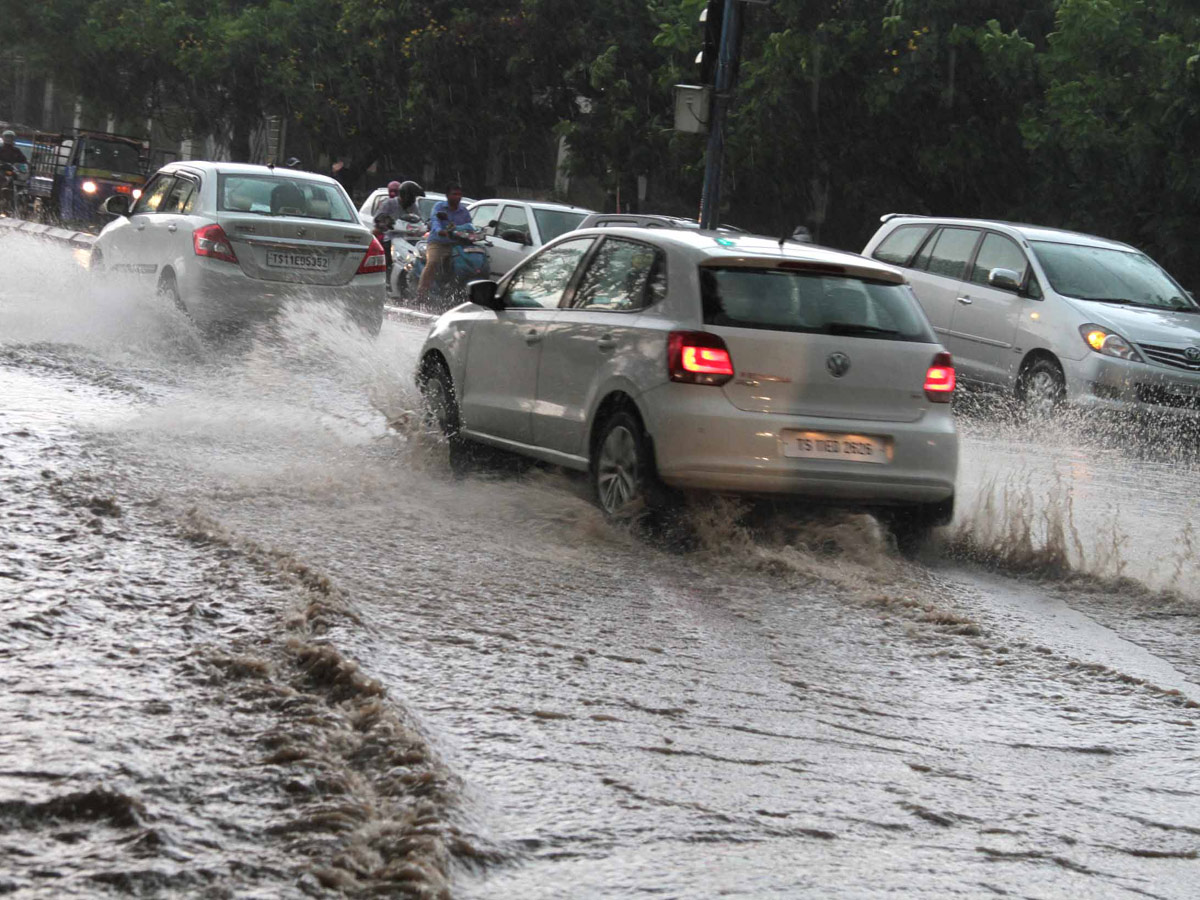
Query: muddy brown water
{"points": [[256, 642]]}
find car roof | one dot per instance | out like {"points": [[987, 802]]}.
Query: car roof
{"points": [[1019, 229], [717, 247], [231, 168], [540, 204]]}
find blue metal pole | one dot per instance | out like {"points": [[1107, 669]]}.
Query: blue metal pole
{"points": [[710, 198]]}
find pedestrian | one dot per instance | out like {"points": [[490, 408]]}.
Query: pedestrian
{"points": [[447, 215]]}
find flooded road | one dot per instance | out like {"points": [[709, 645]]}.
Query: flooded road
{"points": [[256, 641]]}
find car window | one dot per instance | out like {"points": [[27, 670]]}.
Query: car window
{"points": [[482, 216], [788, 300], [899, 246], [377, 202], [513, 219], [156, 191], [950, 251], [179, 198], [542, 280], [279, 195], [998, 252], [620, 276], [554, 222]]}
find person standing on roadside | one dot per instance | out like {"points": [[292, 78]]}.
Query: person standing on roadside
{"points": [[447, 215]]}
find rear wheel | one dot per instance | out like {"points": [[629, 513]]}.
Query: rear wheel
{"points": [[168, 289], [1042, 387], [912, 526], [623, 476]]}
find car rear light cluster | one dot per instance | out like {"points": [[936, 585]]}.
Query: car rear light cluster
{"points": [[374, 259], [939, 379], [210, 241], [697, 357]]}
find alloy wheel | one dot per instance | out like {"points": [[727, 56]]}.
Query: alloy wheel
{"points": [[617, 470], [1042, 392]]}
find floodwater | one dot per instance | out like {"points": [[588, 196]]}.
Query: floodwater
{"points": [[256, 640]]}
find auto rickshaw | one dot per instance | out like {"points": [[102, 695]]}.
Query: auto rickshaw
{"points": [[73, 174]]}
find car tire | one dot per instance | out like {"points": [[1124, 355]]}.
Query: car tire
{"points": [[96, 262], [168, 289], [624, 482], [911, 527], [1041, 387], [441, 413]]}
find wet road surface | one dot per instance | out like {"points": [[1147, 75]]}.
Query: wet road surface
{"points": [[256, 642]]}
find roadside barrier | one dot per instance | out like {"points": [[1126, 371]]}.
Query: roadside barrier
{"points": [[48, 232]]}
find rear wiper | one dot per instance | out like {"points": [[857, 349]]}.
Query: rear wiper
{"points": [[851, 328]]}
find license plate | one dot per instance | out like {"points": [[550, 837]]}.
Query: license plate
{"points": [[281, 259], [835, 445]]}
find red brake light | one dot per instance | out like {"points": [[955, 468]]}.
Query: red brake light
{"points": [[939, 379], [210, 241], [374, 260], [697, 357]]}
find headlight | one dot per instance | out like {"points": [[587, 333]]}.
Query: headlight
{"points": [[89, 187], [137, 193], [1108, 343]]}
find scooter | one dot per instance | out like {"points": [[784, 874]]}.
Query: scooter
{"points": [[468, 261], [404, 236]]}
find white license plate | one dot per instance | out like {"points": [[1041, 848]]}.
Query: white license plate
{"points": [[835, 445], [281, 259]]}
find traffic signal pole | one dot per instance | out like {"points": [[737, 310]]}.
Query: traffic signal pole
{"points": [[710, 197]]}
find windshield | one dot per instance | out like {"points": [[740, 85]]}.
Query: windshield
{"points": [[782, 300], [275, 195], [553, 222], [116, 156], [1110, 276]]}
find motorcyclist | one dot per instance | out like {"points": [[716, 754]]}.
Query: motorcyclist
{"points": [[447, 215], [14, 165], [9, 151], [401, 201]]}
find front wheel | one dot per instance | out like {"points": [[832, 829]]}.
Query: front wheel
{"points": [[1042, 387]]}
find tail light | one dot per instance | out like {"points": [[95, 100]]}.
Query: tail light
{"points": [[697, 357], [939, 379], [374, 259], [210, 241]]}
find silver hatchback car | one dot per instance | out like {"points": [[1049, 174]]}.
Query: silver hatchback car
{"points": [[228, 242], [665, 358], [1050, 315]]}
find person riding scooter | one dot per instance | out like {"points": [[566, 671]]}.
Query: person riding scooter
{"points": [[447, 215]]}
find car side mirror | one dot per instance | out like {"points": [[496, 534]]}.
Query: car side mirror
{"points": [[116, 205], [1005, 280], [483, 293], [515, 235]]}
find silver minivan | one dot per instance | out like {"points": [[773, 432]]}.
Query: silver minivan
{"points": [[659, 358], [1050, 315]]}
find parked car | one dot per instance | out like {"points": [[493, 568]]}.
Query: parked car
{"points": [[227, 242], [1050, 315], [663, 358], [518, 227]]}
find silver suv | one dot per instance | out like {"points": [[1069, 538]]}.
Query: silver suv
{"points": [[657, 358], [1050, 315]]}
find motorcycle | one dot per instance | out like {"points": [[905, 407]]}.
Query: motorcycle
{"points": [[13, 191], [401, 239], [467, 262]]}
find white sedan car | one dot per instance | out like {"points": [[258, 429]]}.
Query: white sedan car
{"points": [[662, 358], [366, 212], [518, 227], [228, 242]]}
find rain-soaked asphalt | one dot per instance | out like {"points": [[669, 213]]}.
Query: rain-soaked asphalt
{"points": [[254, 642]]}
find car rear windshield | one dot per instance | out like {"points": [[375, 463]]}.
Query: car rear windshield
{"points": [[1108, 275], [279, 195], [814, 303], [553, 222]]}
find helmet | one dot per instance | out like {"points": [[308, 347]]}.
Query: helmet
{"points": [[9, 134], [409, 192], [393, 188]]}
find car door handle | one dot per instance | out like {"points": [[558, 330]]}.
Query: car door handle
{"points": [[141, 226], [606, 342], [966, 301], [172, 228], [532, 336]]}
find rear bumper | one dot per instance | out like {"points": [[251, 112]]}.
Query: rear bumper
{"points": [[702, 441], [215, 291]]}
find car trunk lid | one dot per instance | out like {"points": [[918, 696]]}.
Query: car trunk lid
{"points": [[295, 249]]}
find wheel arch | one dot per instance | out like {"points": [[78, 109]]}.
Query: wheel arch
{"points": [[616, 399], [1027, 361]]}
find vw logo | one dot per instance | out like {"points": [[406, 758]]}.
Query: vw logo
{"points": [[838, 364], [1192, 353]]}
